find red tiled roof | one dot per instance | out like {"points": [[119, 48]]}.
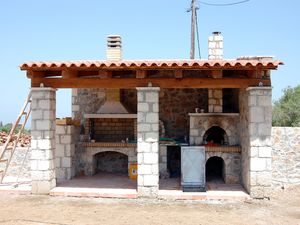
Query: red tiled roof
{"points": [[128, 64]]}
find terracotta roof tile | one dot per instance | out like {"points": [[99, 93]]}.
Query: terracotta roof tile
{"points": [[128, 64]]}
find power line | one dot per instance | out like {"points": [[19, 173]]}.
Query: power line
{"points": [[223, 4]]}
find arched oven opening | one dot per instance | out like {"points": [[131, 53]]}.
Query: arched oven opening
{"points": [[215, 136], [215, 170], [111, 162]]}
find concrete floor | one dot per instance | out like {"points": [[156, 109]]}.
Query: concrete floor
{"points": [[112, 185], [120, 186]]}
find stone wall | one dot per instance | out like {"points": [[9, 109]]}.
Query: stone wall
{"points": [[65, 152], [174, 107], [285, 156], [86, 101]]}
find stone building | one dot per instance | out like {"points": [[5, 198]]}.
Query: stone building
{"points": [[141, 111]]}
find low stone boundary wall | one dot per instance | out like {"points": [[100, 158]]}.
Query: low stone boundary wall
{"points": [[285, 156]]}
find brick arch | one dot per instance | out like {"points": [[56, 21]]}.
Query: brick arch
{"points": [[124, 152], [226, 138], [215, 154], [224, 164]]}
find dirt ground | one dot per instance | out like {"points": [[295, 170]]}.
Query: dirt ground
{"points": [[284, 208]]}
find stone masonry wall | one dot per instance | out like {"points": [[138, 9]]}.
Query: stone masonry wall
{"points": [[65, 152], [285, 156], [86, 100], [174, 107]]}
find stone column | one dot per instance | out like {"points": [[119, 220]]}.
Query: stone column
{"points": [[148, 141], [65, 152], [260, 125], [43, 140], [215, 100]]}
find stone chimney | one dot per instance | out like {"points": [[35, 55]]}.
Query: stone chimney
{"points": [[114, 47], [215, 52], [215, 46]]}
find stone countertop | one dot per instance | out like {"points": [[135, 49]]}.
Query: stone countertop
{"points": [[108, 144]]}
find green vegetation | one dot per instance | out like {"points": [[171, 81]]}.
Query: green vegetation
{"points": [[286, 111], [7, 127]]}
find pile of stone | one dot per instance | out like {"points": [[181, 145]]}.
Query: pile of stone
{"points": [[24, 140]]}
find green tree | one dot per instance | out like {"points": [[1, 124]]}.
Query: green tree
{"points": [[286, 111]]}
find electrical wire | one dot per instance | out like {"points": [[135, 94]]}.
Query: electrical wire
{"points": [[198, 39], [223, 4]]}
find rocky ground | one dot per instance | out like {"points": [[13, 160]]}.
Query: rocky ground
{"points": [[283, 208], [24, 140]]}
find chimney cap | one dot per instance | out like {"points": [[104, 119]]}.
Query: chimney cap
{"points": [[216, 33], [113, 36]]}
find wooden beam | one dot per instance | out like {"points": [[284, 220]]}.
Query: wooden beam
{"points": [[216, 74], [34, 73], [67, 73], [178, 74], [140, 74], [105, 74], [157, 82]]}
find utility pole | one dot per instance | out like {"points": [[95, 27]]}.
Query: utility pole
{"points": [[193, 22]]}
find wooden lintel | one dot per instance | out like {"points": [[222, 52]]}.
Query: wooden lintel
{"points": [[141, 74], [105, 74], [69, 74], [216, 74], [156, 82], [178, 74]]}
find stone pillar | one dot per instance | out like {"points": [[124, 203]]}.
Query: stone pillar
{"points": [[43, 108], [75, 104], [260, 124], [215, 100], [148, 141], [65, 152]]}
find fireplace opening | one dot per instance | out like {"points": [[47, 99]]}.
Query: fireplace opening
{"points": [[214, 169], [112, 162], [174, 161], [215, 136]]}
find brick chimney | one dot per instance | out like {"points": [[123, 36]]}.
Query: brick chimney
{"points": [[114, 47], [215, 46]]}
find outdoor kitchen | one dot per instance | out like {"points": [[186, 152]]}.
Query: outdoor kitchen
{"points": [[152, 125]]}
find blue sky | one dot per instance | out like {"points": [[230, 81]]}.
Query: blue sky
{"points": [[157, 29]]}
